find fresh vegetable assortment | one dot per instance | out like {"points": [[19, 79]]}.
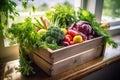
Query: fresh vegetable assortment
{"points": [[66, 27], [78, 32]]}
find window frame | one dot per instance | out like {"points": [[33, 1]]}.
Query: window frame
{"points": [[96, 6]]}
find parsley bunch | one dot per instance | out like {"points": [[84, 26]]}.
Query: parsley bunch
{"points": [[25, 35]]}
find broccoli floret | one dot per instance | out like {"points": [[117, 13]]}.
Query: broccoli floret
{"points": [[50, 39], [54, 34]]}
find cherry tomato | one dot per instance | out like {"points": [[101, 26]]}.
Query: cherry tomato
{"points": [[72, 32], [67, 39], [72, 42], [68, 35]]}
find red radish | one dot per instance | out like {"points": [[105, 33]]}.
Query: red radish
{"points": [[64, 43]]}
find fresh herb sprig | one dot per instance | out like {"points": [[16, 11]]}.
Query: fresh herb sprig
{"points": [[61, 15], [25, 63], [25, 35]]}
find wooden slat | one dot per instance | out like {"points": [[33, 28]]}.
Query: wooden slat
{"points": [[75, 60], [94, 53], [43, 53], [41, 63], [75, 49]]}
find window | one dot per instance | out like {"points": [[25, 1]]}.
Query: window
{"points": [[105, 10], [111, 12], [94, 6]]}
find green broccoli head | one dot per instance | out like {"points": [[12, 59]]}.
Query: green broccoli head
{"points": [[54, 34]]}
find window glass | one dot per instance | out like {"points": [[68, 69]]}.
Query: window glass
{"points": [[41, 7], [111, 11]]}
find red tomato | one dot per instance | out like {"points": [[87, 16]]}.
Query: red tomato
{"points": [[68, 35], [72, 32], [72, 42], [67, 39]]}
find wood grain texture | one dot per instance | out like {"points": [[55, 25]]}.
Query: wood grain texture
{"points": [[75, 60], [41, 63], [76, 48], [45, 54]]}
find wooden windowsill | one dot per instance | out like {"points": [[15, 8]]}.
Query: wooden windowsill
{"points": [[80, 71]]}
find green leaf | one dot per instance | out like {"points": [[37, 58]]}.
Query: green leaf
{"points": [[33, 8], [39, 24], [11, 17], [61, 15], [24, 4]]}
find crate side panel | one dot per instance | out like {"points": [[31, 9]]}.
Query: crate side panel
{"points": [[75, 60], [70, 51], [43, 53], [41, 63], [91, 55]]}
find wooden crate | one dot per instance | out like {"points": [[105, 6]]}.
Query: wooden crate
{"points": [[60, 60]]}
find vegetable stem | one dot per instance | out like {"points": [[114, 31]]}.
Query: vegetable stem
{"points": [[44, 23]]}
